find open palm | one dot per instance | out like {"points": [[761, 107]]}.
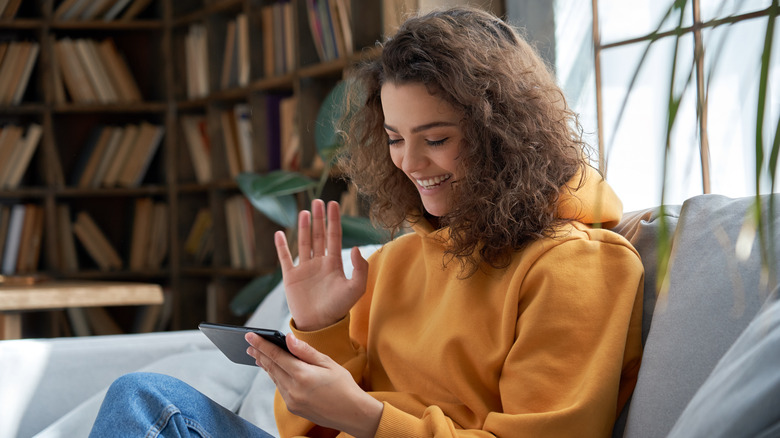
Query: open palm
{"points": [[318, 292]]}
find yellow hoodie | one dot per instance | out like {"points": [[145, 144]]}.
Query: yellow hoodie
{"points": [[547, 347]]}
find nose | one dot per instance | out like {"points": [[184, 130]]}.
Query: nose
{"points": [[414, 158]]}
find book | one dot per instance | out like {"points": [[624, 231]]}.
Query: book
{"points": [[267, 29], [95, 157], [30, 245], [96, 9], [26, 238], [94, 71], [20, 82], [141, 233], [115, 9], [75, 77], [87, 150], [230, 60], [10, 137], [345, 22], [315, 27], [200, 227], [232, 221], [196, 139], [124, 150], [67, 246], [289, 135], [242, 47], [59, 86], [231, 144], [11, 8], [96, 243], [13, 239], [119, 72], [243, 124], [135, 9], [5, 216], [196, 56], [108, 157], [20, 160], [144, 149], [70, 10], [11, 60], [158, 244], [288, 24]]}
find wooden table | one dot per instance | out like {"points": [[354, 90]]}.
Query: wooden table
{"points": [[69, 294]]}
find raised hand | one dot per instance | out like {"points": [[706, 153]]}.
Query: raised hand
{"points": [[318, 292]]}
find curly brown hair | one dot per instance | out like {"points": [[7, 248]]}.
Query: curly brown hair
{"points": [[522, 143]]}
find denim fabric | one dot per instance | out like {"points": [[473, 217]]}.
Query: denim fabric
{"points": [[155, 405]]}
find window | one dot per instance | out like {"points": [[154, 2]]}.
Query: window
{"points": [[712, 149]]}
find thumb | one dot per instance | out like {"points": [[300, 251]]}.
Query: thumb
{"points": [[305, 352], [359, 265]]}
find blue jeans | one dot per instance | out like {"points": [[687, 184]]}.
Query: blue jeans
{"points": [[156, 405]]}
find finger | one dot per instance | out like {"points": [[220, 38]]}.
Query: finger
{"points": [[318, 227], [283, 251], [306, 353], [334, 229], [304, 235], [267, 355]]}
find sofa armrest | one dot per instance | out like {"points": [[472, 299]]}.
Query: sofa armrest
{"points": [[42, 379]]}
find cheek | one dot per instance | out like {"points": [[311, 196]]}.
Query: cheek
{"points": [[397, 156]]}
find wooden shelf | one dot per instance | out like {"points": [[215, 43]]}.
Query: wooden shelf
{"points": [[153, 45]]}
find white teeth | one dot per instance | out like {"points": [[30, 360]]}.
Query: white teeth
{"points": [[432, 182]]}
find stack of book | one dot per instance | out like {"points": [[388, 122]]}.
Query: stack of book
{"points": [[330, 26], [199, 245], [197, 139], [241, 232], [278, 38], [17, 59], [21, 233], [149, 244], [9, 8], [16, 150], [100, 9], [96, 243], [117, 156], [92, 72], [197, 61], [235, 65], [237, 135]]}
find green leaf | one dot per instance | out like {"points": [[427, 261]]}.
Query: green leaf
{"points": [[331, 110], [281, 209], [272, 193], [276, 183], [248, 298], [356, 231]]}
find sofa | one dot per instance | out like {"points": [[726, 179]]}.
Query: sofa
{"points": [[711, 336]]}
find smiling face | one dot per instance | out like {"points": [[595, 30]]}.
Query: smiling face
{"points": [[424, 137]]}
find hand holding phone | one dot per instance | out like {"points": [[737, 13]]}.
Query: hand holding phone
{"points": [[230, 340]]}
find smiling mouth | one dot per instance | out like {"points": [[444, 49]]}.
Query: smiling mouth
{"points": [[433, 182]]}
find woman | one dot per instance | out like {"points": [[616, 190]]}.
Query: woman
{"points": [[505, 313]]}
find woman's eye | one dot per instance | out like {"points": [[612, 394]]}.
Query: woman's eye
{"points": [[392, 141], [436, 142]]}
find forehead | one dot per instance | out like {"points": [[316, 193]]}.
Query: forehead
{"points": [[406, 103]]}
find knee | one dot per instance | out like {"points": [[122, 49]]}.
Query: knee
{"points": [[137, 383]]}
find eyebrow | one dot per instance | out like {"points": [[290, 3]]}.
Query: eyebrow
{"points": [[422, 128]]}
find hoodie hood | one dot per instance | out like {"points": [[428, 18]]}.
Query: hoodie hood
{"points": [[593, 203]]}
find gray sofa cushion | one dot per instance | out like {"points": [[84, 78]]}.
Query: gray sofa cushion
{"points": [[741, 396], [712, 296]]}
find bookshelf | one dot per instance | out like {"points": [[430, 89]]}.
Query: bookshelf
{"points": [[205, 118]]}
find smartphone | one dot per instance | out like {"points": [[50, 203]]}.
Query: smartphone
{"points": [[230, 340]]}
